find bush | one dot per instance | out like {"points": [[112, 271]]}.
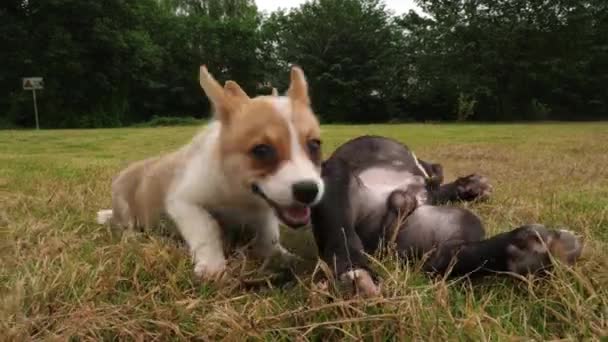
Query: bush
{"points": [[539, 110], [5, 123], [465, 107]]}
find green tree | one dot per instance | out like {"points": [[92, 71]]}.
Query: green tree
{"points": [[91, 54], [347, 49], [113, 62], [516, 59], [222, 34], [13, 59]]}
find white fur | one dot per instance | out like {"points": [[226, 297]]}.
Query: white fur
{"points": [[104, 216], [299, 168], [282, 105], [380, 182], [200, 188], [426, 175], [352, 274], [363, 282]]}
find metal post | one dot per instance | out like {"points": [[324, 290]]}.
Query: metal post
{"points": [[35, 109]]}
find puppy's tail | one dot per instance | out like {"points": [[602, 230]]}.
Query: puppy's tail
{"points": [[104, 216]]}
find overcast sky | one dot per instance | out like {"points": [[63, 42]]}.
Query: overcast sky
{"points": [[399, 6]]}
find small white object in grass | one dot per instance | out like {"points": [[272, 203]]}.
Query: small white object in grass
{"points": [[104, 216]]}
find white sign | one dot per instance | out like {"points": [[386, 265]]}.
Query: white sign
{"points": [[32, 83]]}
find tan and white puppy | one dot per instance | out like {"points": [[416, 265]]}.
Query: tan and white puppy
{"points": [[255, 164]]}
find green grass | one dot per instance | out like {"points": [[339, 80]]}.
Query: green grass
{"points": [[63, 276]]}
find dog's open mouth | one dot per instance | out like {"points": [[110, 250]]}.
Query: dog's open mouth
{"points": [[294, 216]]}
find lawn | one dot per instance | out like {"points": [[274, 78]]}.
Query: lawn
{"points": [[62, 275]]}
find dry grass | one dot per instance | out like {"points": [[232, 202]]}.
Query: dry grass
{"points": [[62, 276]]}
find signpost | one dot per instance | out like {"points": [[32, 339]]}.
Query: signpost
{"points": [[33, 83]]}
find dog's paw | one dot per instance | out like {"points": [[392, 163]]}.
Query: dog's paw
{"points": [[435, 176], [533, 248], [210, 270], [361, 283], [289, 259], [473, 187], [281, 258]]}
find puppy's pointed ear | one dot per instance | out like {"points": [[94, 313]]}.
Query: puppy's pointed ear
{"points": [[275, 92], [223, 104], [298, 87], [233, 89]]}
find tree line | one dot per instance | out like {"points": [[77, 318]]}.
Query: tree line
{"points": [[110, 63]]}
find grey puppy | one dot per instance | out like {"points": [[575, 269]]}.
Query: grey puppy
{"points": [[378, 191]]}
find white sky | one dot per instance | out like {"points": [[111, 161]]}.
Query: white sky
{"points": [[398, 6]]}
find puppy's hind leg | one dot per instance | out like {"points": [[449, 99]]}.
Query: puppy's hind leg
{"points": [[122, 214], [400, 204], [119, 216], [470, 188]]}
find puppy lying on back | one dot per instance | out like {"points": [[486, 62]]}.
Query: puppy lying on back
{"points": [[377, 190], [257, 162]]}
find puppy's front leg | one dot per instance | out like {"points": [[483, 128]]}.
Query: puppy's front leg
{"points": [[267, 241], [203, 235]]}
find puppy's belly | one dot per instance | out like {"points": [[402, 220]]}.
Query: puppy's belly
{"points": [[378, 183]]}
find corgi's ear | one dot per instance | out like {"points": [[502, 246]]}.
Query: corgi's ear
{"points": [[234, 90], [298, 87], [275, 92], [224, 104]]}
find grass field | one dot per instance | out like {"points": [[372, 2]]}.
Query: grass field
{"points": [[61, 275]]}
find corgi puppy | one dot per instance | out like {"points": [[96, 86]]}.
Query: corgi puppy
{"points": [[257, 164]]}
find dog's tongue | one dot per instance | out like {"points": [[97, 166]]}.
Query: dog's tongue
{"points": [[298, 215]]}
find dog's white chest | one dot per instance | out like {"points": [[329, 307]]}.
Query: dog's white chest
{"points": [[382, 179], [378, 183]]}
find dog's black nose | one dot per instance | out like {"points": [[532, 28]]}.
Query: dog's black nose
{"points": [[305, 192]]}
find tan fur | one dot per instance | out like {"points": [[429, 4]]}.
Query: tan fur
{"points": [[308, 127], [266, 128], [234, 90], [139, 190], [298, 90]]}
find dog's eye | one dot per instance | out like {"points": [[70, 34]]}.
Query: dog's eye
{"points": [[314, 146], [263, 152]]}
